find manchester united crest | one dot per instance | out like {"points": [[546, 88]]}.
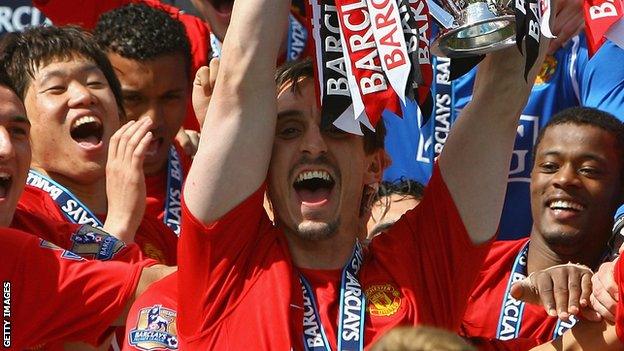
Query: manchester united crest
{"points": [[383, 300], [156, 329], [549, 67]]}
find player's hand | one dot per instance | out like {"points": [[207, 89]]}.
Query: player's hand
{"points": [[189, 140], [203, 86], [569, 23], [125, 180], [604, 296], [563, 289]]}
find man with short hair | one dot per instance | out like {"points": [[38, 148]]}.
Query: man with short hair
{"points": [[241, 278], [51, 294], [74, 105], [576, 186], [153, 63]]}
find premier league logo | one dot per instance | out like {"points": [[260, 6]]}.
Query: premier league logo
{"points": [[156, 329], [95, 243]]}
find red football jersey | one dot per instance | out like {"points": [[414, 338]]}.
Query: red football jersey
{"points": [[158, 191], [51, 295], [153, 237], [63, 234], [483, 313], [152, 319], [238, 285]]}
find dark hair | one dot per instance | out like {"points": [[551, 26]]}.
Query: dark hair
{"points": [[291, 73], [25, 53], [402, 186], [591, 117], [141, 32]]}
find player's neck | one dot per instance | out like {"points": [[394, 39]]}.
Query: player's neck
{"points": [[331, 253], [92, 195], [542, 256]]}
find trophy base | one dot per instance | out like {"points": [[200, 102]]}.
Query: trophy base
{"points": [[476, 38]]}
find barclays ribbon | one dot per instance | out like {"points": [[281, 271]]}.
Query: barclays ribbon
{"points": [[173, 200], [73, 209], [351, 314], [510, 320]]}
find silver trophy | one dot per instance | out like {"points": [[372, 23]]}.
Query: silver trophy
{"points": [[472, 27]]}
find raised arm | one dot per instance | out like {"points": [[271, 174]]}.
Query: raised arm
{"points": [[476, 157], [237, 135]]}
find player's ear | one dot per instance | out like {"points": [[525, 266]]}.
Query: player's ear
{"points": [[377, 161]]}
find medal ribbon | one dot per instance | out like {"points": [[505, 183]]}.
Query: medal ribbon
{"points": [[510, 320], [351, 314], [73, 209], [173, 200]]}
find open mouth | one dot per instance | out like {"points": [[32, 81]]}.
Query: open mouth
{"points": [[5, 184], [87, 131], [314, 187], [223, 6]]}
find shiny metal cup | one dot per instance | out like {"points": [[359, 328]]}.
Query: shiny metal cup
{"points": [[473, 27]]}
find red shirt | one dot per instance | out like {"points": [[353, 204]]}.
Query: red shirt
{"points": [[157, 191], [53, 295], [154, 239], [238, 286], [152, 319], [63, 233], [90, 10], [484, 305]]}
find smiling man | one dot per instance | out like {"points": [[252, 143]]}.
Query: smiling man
{"points": [[576, 186], [241, 278], [153, 61], [73, 103]]}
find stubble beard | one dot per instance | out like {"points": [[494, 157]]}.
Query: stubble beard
{"points": [[317, 231]]}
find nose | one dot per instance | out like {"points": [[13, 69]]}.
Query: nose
{"points": [[7, 151], [155, 113], [81, 95], [566, 176], [313, 142]]}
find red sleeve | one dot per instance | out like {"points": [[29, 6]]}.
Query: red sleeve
{"points": [[619, 317], [440, 262], [152, 319], [214, 260], [55, 295], [76, 238]]}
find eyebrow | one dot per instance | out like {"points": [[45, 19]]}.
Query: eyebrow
{"points": [[20, 119], [59, 73], [586, 155], [289, 113]]}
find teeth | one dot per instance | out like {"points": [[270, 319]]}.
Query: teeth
{"points": [[560, 204], [314, 175], [86, 119], [5, 176]]}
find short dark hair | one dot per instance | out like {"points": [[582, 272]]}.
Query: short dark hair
{"points": [[25, 52], [591, 117], [402, 186], [291, 73], [141, 32]]}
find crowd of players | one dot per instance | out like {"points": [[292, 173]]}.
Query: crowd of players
{"points": [[122, 230]]}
